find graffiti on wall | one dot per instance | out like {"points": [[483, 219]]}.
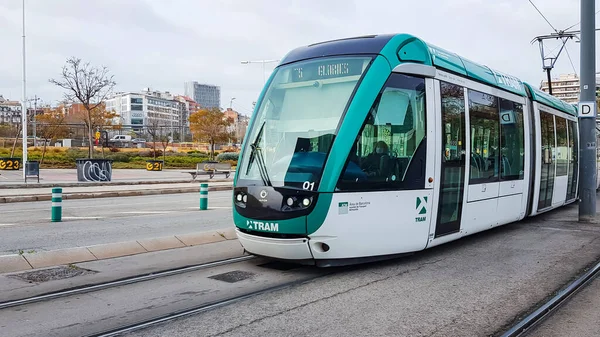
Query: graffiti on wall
{"points": [[94, 170]]}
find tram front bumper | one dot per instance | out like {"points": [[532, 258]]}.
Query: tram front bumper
{"points": [[287, 249]]}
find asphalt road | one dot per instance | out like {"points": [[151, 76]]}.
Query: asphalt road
{"points": [[84, 314], [27, 226], [477, 286]]}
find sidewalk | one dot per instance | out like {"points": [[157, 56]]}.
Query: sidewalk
{"points": [[68, 178], [87, 191], [35, 260]]}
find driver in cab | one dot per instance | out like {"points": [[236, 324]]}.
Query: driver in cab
{"points": [[371, 163]]}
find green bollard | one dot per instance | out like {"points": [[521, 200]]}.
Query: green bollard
{"points": [[56, 204], [203, 197]]}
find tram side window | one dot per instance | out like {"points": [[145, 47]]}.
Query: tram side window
{"points": [[512, 143], [389, 153], [484, 120], [572, 162], [562, 146]]}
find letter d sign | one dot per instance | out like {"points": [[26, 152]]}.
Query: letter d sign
{"points": [[587, 109]]}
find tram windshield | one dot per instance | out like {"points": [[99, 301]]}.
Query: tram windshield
{"points": [[297, 120]]}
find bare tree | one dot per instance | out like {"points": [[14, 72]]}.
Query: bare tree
{"points": [[18, 128], [165, 138], [87, 85], [153, 129]]}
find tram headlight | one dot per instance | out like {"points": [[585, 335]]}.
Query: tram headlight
{"points": [[306, 202], [290, 201], [245, 198], [239, 197]]}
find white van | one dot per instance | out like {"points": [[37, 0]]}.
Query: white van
{"points": [[122, 138]]}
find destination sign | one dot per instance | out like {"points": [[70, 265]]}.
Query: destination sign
{"points": [[327, 69]]}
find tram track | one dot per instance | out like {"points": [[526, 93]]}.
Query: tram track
{"points": [[534, 319], [123, 306], [196, 310], [121, 282]]}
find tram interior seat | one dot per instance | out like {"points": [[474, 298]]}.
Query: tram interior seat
{"points": [[479, 164]]}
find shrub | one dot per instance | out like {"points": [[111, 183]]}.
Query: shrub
{"points": [[228, 156], [118, 157], [73, 154]]}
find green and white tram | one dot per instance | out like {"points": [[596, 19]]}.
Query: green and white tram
{"points": [[370, 147]]}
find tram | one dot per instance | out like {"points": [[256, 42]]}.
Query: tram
{"points": [[372, 147]]}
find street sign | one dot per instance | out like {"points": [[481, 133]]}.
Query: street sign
{"points": [[587, 109], [97, 135]]}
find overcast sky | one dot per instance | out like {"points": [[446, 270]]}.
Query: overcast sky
{"points": [[162, 43]]}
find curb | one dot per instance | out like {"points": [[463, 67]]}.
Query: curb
{"points": [[116, 183], [109, 194], [28, 261]]}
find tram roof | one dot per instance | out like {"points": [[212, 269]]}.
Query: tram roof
{"points": [[401, 48]]}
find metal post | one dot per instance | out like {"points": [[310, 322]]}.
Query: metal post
{"points": [[587, 115], [23, 107], [548, 69], [56, 204], [203, 197], [34, 120]]}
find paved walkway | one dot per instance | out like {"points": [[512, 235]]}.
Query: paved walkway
{"points": [[12, 179]]}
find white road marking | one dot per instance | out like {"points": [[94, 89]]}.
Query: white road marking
{"points": [[23, 210], [7, 224], [209, 207], [83, 217], [146, 212]]}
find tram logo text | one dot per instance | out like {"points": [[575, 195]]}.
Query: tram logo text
{"points": [[263, 226]]}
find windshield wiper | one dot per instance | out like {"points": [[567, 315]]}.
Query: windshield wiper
{"points": [[257, 153]]}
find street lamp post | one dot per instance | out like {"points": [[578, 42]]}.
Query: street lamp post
{"points": [[231, 103], [263, 65], [23, 102]]}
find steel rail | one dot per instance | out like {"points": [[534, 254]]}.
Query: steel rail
{"points": [[121, 282], [536, 317]]}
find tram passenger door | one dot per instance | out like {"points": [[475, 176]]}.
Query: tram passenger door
{"points": [[452, 171]]}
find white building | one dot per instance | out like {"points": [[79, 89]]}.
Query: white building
{"points": [[566, 87], [148, 107], [10, 111]]}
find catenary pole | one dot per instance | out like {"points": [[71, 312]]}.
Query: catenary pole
{"points": [[587, 115]]}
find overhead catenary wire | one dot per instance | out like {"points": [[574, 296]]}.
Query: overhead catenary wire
{"points": [[598, 11], [563, 36], [534, 6], [570, 60]]}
